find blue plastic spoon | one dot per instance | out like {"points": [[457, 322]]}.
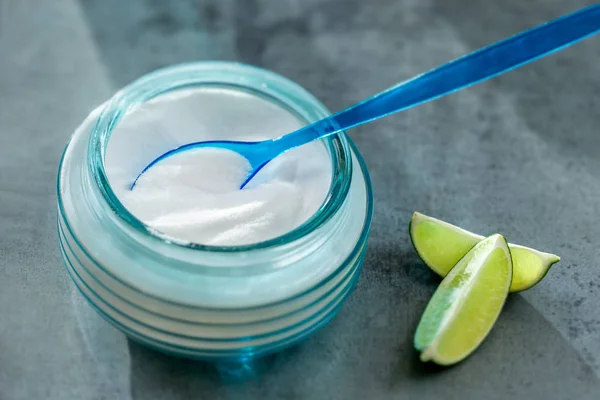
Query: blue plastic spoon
{"points": [[478, 66]]}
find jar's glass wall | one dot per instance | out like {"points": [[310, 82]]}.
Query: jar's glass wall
{"points": [[211, 304]]}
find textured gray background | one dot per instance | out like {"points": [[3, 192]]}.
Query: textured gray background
{"points": [[519, 155]]}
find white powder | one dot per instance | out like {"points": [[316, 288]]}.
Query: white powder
{"points": [[194, 195]]}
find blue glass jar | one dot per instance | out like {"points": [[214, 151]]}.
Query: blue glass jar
{"points": [[210, 302]]}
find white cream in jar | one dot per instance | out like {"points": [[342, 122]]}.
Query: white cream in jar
{"points": [[194, 196]]}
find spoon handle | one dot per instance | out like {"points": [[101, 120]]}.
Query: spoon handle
{"points": [[478, 66]]}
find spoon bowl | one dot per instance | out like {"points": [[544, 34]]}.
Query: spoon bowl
{"points": [[251, 151]]}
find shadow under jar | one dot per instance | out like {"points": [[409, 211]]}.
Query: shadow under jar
{"points": [[223, 304]]}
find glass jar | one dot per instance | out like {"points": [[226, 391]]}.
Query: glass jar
{"points": [[210, 302]]}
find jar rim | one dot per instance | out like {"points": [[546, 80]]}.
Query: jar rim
{"points": [[261, 82]]}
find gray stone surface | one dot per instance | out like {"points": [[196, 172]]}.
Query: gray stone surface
{"points": [[518, 155]]}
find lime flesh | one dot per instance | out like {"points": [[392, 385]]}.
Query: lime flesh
{"points": [[441, 245], [467, 303]]}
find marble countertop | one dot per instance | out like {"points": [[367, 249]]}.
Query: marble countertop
{"points": [[519, 155]]}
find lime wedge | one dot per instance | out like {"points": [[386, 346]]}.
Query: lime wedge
{"points": [[440, 245], [466, 304]]}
